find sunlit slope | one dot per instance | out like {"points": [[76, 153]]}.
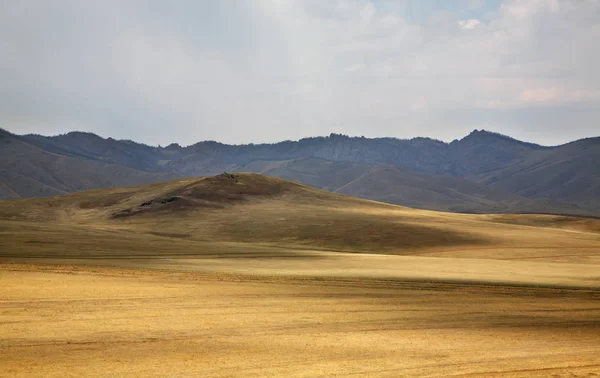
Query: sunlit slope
{"points": [[254, 210]]}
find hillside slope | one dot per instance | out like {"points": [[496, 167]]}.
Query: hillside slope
{"points": [[569, 173], [247, 211], [243, 208], [28, 171], [400, 186]]}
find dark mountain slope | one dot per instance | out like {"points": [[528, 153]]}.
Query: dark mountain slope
{"points": [[483, 151], [91, 146], [28, 171], [568, 173], [479, 152], [392, 184], [320, 173]]}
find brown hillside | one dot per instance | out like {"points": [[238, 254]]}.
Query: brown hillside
{"points": [[255, 210]]}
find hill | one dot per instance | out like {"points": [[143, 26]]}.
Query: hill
{"points": [[250, 211], [242, 208]]}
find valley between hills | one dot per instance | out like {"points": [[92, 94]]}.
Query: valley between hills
{"points": [[246, 274]]}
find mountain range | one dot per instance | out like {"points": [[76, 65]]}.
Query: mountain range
{"points": [[484, 172]]}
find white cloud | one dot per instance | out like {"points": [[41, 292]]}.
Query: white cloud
{"points": [[419, 103], [269, 70], [540, 95], [353, 68], [469, 24]]}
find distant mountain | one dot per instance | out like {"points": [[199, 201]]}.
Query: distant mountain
{"points": [[28, 171], [401, 186], [91, 146], [570, 173], [482, 172], [483, 151], [479, 152]]}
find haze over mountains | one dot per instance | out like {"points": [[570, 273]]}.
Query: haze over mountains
{"points": [[482, 172]]}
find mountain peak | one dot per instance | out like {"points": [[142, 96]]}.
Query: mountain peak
{"points": [[482, 132], [173, 146], [490, 136], [338, 136], [83, 134]]}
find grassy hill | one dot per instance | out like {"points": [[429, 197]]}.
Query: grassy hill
{"points": [[251, 213]]}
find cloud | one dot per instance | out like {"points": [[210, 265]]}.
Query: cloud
{"points": [[419, 103], [252, 71], [540, 95], [353, 68], [469, 24]]}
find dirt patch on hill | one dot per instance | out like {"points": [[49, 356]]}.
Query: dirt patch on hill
{"points": [[228, 187]]}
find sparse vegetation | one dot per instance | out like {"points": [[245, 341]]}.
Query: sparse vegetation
{"points": [[229, 176], [168, 199]]}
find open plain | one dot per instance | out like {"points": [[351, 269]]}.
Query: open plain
{"points": [[245, 275]]}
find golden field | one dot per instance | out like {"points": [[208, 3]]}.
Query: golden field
{"points": [[245, 275]]}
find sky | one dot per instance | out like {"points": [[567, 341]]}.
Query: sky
{"points": [[252, 71]]}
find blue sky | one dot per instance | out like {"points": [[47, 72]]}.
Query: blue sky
{"points": [[245, 71]]}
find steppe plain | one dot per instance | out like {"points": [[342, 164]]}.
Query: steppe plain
{"points": [[247, 275]]}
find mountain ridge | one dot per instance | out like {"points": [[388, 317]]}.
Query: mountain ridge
{"points": [[474, 132], [482, 172], [420, 154], [400, 186]]}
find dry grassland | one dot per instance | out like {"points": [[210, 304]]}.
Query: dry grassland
{"points": [[69, 321], [253, 276]]}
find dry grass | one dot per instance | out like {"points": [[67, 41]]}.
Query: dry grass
{"points": [[68, 321], [256, 276]]}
